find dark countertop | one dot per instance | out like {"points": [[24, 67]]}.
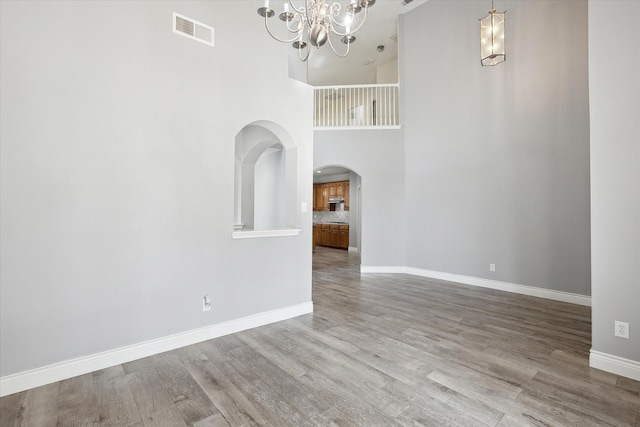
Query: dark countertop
{"points": [[330, 222]]}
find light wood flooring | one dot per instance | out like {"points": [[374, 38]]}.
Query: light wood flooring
{"points": [[379, 350]]}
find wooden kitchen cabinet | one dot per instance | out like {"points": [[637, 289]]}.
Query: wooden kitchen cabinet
{"points": [[317, 235], [345, 189], [320, 197], [330, 190], [331, 235], [343, 237], [315, 197]]}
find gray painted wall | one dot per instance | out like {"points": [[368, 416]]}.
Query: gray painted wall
{"points": [[269, 195], [497, 158], [117, 175], [378, 157], [354, 210], [614, 96]]}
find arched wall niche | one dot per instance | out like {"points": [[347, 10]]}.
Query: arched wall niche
{"points": [[265, 180]]}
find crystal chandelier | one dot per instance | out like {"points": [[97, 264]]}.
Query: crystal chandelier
{"points": [[315, 21], [492, 38]]}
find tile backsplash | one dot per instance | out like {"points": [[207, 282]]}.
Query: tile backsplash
{"points": [[330, 216]]}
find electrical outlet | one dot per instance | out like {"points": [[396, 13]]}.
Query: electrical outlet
{"points": [[622, 329], [206, 303], [492, 267]]}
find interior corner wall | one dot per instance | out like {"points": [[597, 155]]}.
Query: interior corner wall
{"points": [[298, 70], [614, 97], [497, 158], [387, 72], [117, 175], [378, 157]]}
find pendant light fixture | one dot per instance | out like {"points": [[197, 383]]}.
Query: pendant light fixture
{"points": [[492, 38]]}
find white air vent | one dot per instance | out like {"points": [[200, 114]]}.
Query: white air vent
{"points": [[193, 29]]}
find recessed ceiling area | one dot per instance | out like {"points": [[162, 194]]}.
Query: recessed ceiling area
{"points": [[359, 67], [331, 170]]}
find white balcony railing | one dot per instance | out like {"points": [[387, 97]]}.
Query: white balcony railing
{"points": [[361, 106]]}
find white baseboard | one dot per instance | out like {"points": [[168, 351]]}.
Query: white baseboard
{"points": [[614, 364], [384, 269], [484, 283], [71, 368], [353, 249]]}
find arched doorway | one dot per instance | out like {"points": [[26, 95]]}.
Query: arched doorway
{"points": [[337, 209]]}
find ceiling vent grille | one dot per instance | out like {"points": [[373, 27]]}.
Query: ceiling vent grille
{"points": [[192, 29]]}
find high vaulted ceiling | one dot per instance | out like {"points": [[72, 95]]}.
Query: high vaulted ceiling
{"points": [[359, 67]]}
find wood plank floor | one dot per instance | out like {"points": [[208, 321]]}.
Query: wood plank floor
{"points": [[379, 350]]}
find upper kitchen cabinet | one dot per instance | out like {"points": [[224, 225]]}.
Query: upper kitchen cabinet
{"points": [[333, 189], [345, 194], [325, 192], [320, 197]]}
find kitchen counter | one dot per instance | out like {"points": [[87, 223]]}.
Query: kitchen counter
{"points": [[331, 222]]}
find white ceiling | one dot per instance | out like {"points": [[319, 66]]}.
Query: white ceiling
{"points": [[359, 67], [331, 170]]}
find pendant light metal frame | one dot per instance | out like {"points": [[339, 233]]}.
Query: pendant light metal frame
{"points": [[493, 42]]}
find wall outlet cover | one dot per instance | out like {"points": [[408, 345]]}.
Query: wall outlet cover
{"points": [[621, 329]]}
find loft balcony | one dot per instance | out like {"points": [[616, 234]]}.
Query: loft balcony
{"points": [[374, 106]]}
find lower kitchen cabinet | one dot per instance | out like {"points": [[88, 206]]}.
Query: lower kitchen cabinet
{"points": [[317, 235], [331, 235], [343, 238]]}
